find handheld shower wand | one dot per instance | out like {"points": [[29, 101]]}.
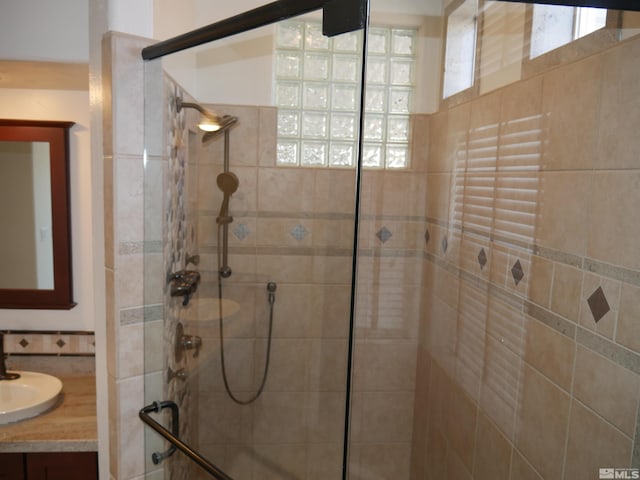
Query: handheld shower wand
{"points": [[227, 182]]}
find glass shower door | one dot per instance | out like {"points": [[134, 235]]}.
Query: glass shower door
{"points": [[250, 247]]}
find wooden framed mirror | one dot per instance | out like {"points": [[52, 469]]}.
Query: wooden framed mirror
{"points": [[35, 226]]}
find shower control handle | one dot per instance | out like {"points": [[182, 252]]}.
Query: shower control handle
{"points": [[185, 342], [191, 342], [184, 284]]}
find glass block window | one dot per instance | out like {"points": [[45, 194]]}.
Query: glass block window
{"points": [[317, 92]]}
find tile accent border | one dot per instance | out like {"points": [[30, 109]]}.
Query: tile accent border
{"points": [[50, 343], [618, 354], [587, 264]]}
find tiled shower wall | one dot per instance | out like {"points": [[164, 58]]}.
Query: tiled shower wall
{"points": [[529, 351], [295, 226]]}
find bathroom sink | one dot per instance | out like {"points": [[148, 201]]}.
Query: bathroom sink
{"points": [[28, 396]]}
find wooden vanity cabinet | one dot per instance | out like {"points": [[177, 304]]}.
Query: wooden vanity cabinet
{"points": [[11, 466], [49, 466]]}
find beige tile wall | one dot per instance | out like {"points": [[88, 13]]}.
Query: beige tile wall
{"points": [[515, 377], [504, 357], [123, 117], [297, 425]]}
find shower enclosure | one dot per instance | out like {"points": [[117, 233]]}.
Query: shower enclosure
{"points": [[427, 270], [256, 252]]}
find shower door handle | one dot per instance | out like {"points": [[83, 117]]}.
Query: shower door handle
{"points": [[172, 437]]}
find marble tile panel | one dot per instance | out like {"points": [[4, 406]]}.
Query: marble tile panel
{"points": [[521, 469], [385, 460], [540, 280], [492, 458], [498, 396], [324, 460], [280, 461], [279, 418], [541, 426], [129, 199], [437, 161], [550, 352], [328, 365], [387, 417], [288, 365], [520, 101], [285, 190], [567, 289], [420, 124], [618, 142], [334, 191], [128, 104], [286, 268], [130, 448], [438, 196], [609, 389], [267, 136], [572, 120], [325, 417], [387, 365], [478, 202], [562, 221], [592, 444], [628, 332], [129, 280], [612, 232]]}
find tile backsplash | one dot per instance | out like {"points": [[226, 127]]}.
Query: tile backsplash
{"points": [[49, 343]]}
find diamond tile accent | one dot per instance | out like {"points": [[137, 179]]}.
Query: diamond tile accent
{"points": [[24, 343], [61, 343], [384, 234], [598, 304], [299, 232], [427, 236], [517, 272], [241, 231], [445, 244], [482, 258]]}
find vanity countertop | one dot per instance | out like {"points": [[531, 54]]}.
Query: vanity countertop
{"points": [[71, 426]]}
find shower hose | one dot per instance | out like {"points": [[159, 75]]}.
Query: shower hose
{"points": [[271, 288]]}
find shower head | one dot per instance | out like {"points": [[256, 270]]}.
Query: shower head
{"points": [[226, 122], [209, 121], [228, 182]]}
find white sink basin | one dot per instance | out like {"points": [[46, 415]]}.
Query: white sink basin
{"points": [[28, 396]]}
